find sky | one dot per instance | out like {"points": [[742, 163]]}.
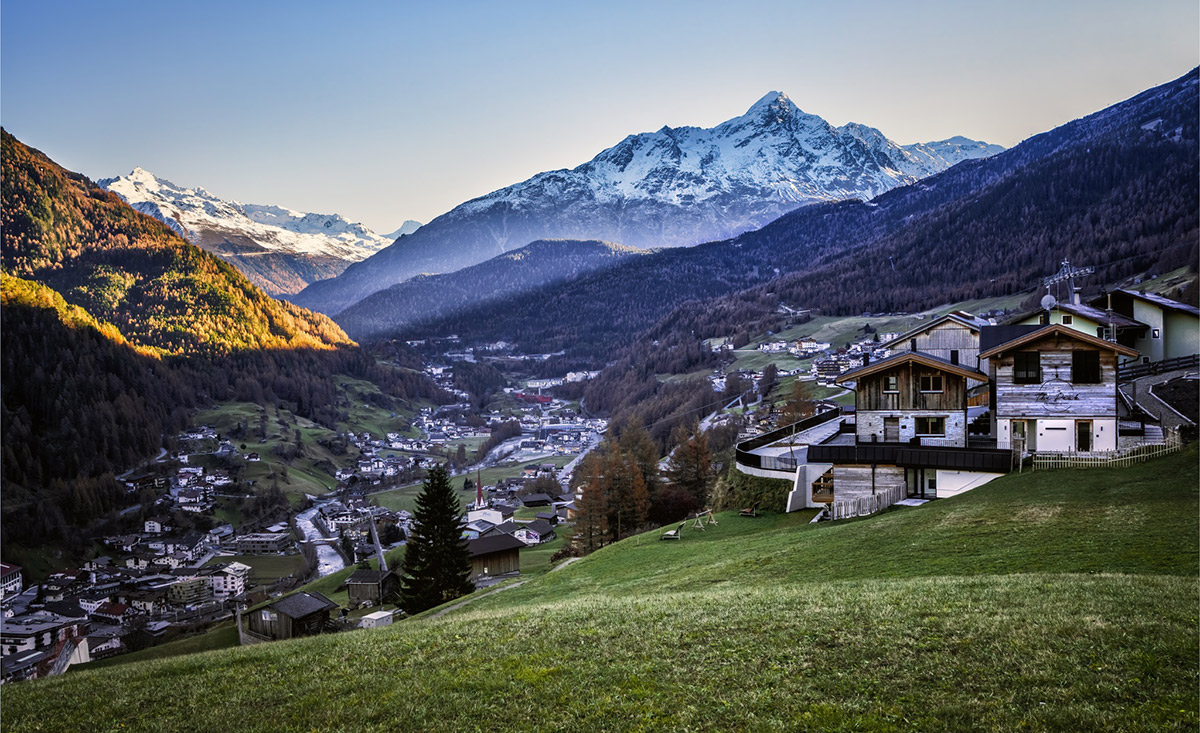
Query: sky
{"points": [[387, 111]]}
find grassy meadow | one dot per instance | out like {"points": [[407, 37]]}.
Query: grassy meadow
{"points": [[1059, 600]]}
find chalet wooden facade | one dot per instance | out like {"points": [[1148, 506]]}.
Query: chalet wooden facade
{"points": [[953, 338], [300, 614], [912, 396], [1056, 390], [371, 586], [495, 555]]}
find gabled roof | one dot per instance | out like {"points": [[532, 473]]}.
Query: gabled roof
{"points": [[541, 526], [961, 317], [912, 356], [493, 543], [1162, 301], [371, 577], [304, 603], [506, 527], [1061, 331], [1099, 315]]}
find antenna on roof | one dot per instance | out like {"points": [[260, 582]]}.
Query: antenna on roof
{"points": [[1068, 274]]}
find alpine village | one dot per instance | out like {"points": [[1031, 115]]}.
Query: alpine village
{"points": [[914, 456]]}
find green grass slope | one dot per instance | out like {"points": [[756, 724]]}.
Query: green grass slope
{"points": [[1052, 601]]}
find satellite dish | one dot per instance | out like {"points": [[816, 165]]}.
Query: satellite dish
{"points": [[1049, 301]]}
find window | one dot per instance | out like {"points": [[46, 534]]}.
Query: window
{"points": [[953, 356], [1085, 367], [912, 345], [891, 384], [931, 383], [1067, 320], [931, 425], [1027, 367], [1155, 333]]}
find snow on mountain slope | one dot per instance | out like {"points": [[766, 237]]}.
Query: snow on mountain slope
{"points": [[674, 187], [193, 212]]}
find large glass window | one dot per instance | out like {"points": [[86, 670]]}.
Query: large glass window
{"points": [[1027, 367], [1085, 367]]}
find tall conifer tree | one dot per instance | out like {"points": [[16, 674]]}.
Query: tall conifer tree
{"points": [[437, 565]]}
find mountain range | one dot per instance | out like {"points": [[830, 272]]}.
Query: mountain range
{"points": [[278, 249], [1116, 190], [673, 187]]}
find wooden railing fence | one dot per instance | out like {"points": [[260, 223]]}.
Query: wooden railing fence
{"points": [[863, 505], [1110, 459]]}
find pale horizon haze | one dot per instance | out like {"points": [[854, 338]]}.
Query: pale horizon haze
{"points": [[384, 112]]}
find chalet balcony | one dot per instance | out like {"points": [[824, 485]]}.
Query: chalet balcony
{"points": [[989, 460], [779, 453]]}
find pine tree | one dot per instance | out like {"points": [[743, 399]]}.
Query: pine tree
{"points": [[437, 566]]}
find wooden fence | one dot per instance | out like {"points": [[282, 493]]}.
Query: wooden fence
{"points": [[864, 505], [1133, 371], [1109, 459]]}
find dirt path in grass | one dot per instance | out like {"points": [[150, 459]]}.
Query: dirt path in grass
{"points": [[474, 598]]}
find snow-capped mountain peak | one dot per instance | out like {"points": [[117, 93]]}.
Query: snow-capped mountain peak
{"points": [[676, 186], [198, 216]]}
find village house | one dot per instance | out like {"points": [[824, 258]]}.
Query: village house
{"points": [[535, 532], [190, 591], [371, 586], [953, 338], [300, 614], [1172, 329], [11, 581], [494, 556], [912, 396], [263, 543], [1055, 389], [228, 580]]}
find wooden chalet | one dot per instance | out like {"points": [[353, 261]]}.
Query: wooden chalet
{"points": [[953, 338], [300, 614], [498, 554], [1055, 389], [371, 586], [912, 396]]}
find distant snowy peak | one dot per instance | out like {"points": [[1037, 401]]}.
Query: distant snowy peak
{"points": [[196, 214], [673, 187], [407, 227], [774, 152]]}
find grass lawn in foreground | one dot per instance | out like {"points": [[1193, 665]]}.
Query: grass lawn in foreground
{"points": [[1061, 600]]}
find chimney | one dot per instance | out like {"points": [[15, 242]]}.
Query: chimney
{"points": [[1075, 297]]}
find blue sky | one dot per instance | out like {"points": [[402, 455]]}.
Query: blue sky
{"points": [[386, 111]]}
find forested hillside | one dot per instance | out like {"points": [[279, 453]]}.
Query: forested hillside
{"points": [[425, 297], [113, 329], [127, 268]]}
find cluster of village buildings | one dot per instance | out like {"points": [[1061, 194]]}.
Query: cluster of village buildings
{"points": [[960, 400]]}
